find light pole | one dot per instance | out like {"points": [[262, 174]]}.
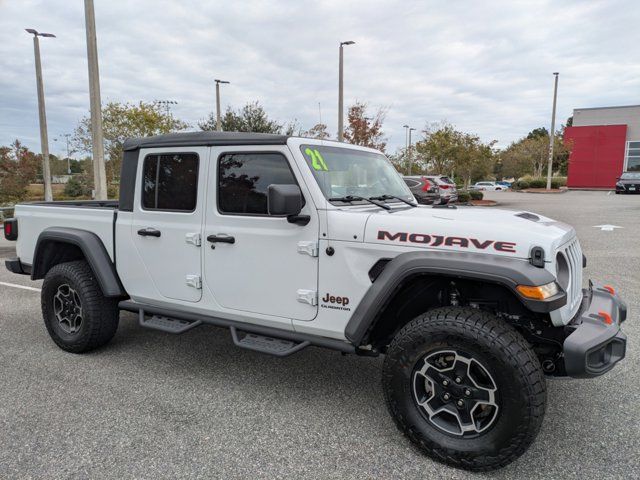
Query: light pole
{"points": [[406, 143], [44, 139], [167, 105], [552, 133], [218, 117], [66, 136], [410, 150], [97, 139], [341, 91]]}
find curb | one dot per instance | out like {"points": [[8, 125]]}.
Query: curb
{"points": [[556, 192]]}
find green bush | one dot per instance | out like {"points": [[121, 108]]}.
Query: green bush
{"points": [[113, 191], [538, 183], [476, 195], [463, 196], [77, 186], [6, 213], [521, 185]]}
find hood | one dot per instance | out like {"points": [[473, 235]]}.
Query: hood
{"points": [[470, 229], [629, 181]]}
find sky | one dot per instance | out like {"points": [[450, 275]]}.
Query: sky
{"points": [[486, 67]]}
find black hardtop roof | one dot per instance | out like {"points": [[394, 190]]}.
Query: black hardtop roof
{"points": [[194, 139]]}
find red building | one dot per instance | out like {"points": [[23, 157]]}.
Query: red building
{"points": [[606, 142]]}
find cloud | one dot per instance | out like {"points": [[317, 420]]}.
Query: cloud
{"points": [[483, 66]]}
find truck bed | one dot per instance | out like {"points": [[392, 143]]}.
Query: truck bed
{"points": [[97, 216]]}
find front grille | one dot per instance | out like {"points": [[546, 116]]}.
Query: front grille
{"points": [[573, 253]]}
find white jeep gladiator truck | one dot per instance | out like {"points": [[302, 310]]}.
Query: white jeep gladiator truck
{"points": [[290, 242]]}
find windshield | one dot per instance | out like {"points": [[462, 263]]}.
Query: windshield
{"points": [[447, 180], [630, 176], [342, 172]]}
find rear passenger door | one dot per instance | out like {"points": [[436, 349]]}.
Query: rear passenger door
{"points": [[167, 222]]}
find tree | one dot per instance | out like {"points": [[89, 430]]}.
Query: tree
{"points": [[446, 150], [250, 118], [363, 130], [319, 130], [538, 132], [18, 168], [530, 156], [438, 149], [125, 120]]}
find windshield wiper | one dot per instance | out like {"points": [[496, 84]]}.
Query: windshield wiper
{"points": [[389, 197], [352, 198]]}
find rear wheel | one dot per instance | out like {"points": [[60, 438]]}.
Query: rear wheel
{"points": [[78, 317], [465, 387]]}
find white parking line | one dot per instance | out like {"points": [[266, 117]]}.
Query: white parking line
{"points": [[20, 286]]}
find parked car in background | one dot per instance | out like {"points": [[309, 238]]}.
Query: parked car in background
{"points": [[426, 191], [629, 182], [488, 186], [504, 183], [446, 188]]}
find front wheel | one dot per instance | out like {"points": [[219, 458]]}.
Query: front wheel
{"points": [[465, 387]]}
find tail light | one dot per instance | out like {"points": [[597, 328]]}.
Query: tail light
{"points": [[11, 229], [427, 185], [445, 187]]}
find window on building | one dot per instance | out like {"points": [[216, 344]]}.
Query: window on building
{"points": [[243, 180], [633, 157], [170, 182]]}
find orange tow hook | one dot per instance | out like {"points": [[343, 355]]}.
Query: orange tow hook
{"points": [[606, 317]]}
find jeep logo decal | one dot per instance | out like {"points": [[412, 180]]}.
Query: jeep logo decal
{"points": [[438, 240], [335, 302]]}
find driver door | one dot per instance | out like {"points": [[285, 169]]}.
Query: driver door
{"points": [[258, 263]]}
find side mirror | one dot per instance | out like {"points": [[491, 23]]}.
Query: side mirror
{"points": [[284, 200]]}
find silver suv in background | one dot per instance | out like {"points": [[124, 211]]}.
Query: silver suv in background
{"points": [[446, 188], [426, 191]]}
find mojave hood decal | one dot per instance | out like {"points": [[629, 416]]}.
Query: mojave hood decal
{"points": [[433, 240], [466, 229]]}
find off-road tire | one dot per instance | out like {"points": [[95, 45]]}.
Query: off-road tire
{"points": [[509, 360], [100, 315]]}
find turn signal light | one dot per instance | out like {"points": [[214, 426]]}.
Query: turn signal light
{"points": [[541, 292], [609, 289]]}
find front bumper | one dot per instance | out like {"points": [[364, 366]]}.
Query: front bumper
{"points": [[628, 188], [596, 342]]}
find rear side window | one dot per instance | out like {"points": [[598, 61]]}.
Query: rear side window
{"points": [[411, 183], [243, 180], [170, 182]]}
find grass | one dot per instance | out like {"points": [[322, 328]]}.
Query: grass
{"points": [[35, 193]]}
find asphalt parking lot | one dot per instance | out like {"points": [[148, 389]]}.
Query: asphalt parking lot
{"points": [[153, 405]]}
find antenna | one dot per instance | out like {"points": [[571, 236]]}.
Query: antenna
{"points": [[319, 114]]}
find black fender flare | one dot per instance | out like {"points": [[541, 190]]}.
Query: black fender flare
{"points": [[506, 271], [93, 250]]}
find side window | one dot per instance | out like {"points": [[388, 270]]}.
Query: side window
{"points": [[411, 183], [170, 182], [243, 179]]}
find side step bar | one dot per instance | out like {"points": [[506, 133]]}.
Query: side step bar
{"points": [[166, 324], [273, 346], [252, 337]]}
